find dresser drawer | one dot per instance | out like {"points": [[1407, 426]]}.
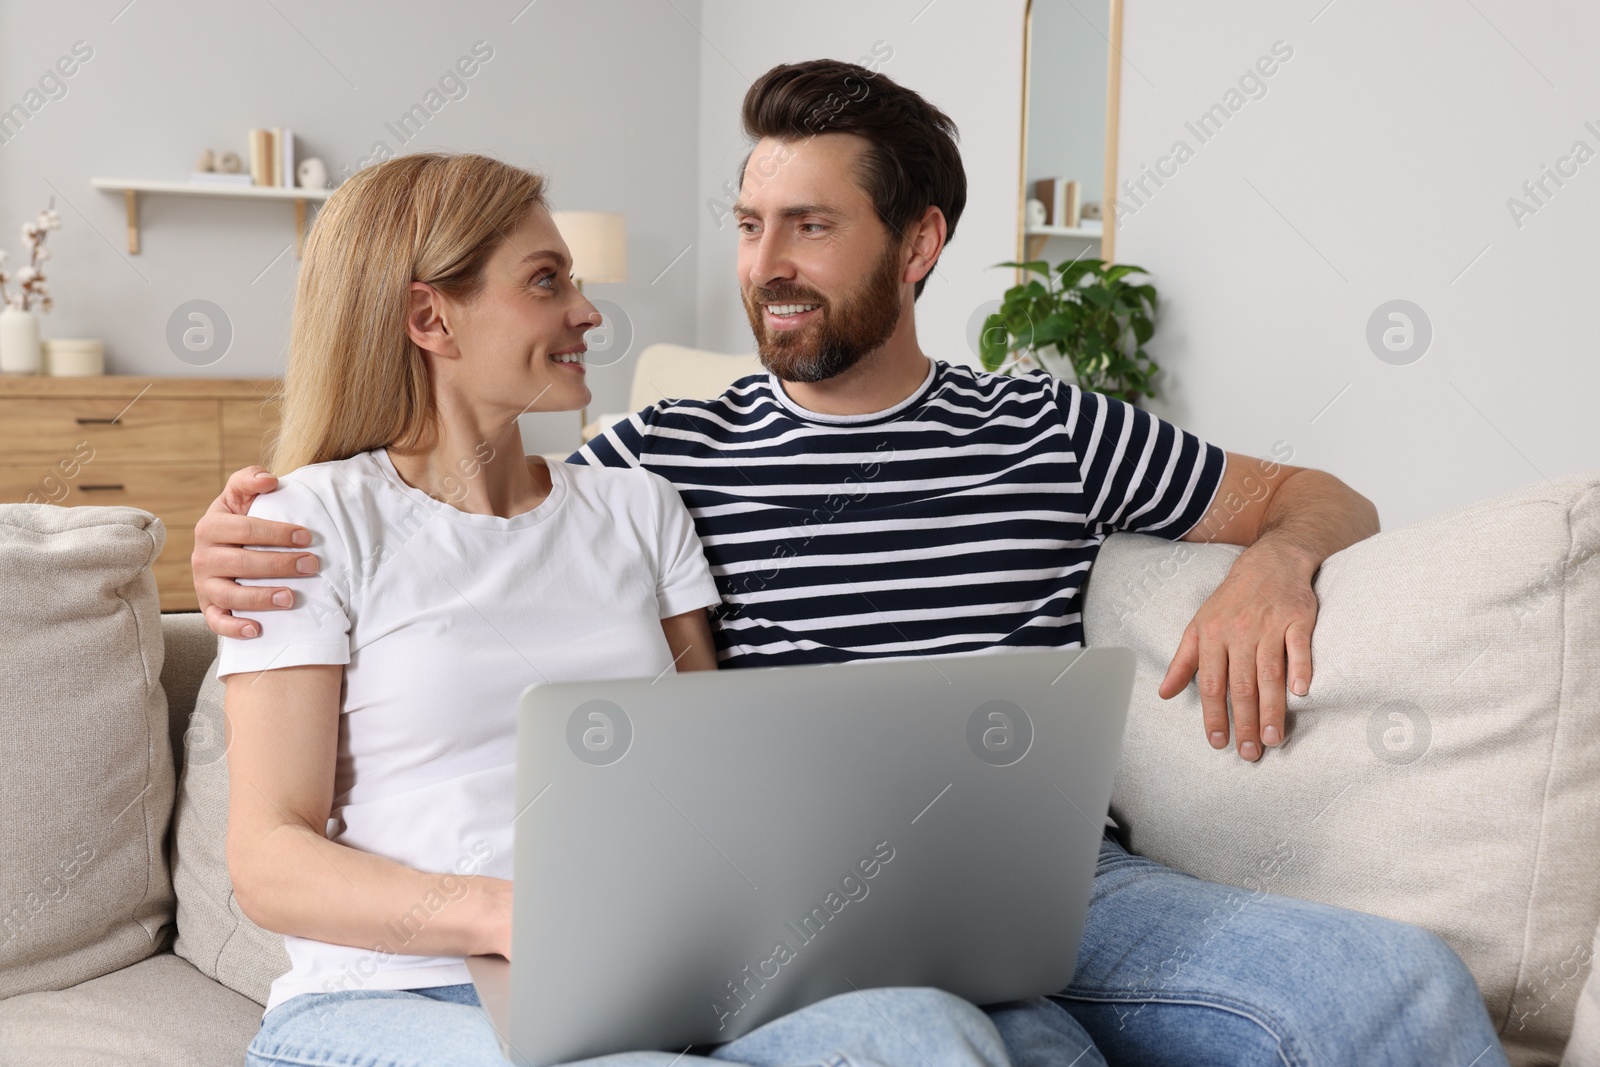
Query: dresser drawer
{"points": [[46, 430], [176, 493]]}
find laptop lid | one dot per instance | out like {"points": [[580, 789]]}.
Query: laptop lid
{"points": [[699, 854]]}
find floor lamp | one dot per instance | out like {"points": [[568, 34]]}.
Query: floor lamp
{"points": [[598, 241]]}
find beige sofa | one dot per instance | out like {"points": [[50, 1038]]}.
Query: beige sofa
{"points": [[1444, 769]]}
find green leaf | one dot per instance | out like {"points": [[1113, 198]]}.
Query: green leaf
{"points": [[993, 343], [1097, 297], [1037, 266]]}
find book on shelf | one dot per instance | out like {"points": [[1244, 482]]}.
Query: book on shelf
{"points": [[285, 156], [1071, 205], [261, 156], [1063, 202]]}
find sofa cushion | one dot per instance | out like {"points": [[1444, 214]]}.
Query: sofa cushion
{"points": [[88, 783], [214, 933], [160, 1012], [1440, 771], [191, 647], [1583, 1050]]}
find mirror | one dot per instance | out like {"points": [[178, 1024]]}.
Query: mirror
{"points": [[1070, 89]]}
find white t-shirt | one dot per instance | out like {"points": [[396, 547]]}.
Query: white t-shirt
{"points": [[442, 618]]}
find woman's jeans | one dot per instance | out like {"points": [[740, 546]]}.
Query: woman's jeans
{"points": [[1173, 971], [444, 1026]]}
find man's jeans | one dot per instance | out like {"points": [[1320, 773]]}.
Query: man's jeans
{"points": [[1175, 970], [444, 1027]]}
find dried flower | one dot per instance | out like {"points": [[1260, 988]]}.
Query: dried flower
{"points": [[32, 288]]}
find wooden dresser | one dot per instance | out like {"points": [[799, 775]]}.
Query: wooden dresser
{"points": [[166, 445]]}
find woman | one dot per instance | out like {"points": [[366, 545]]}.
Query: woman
{"points": [[371, 754]]}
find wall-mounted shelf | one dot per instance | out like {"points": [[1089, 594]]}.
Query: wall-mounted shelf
{"points": [[1089, 228], [130, 188], [1036, 236]]}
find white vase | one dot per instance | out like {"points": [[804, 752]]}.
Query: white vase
{"points": [[19, 342]]}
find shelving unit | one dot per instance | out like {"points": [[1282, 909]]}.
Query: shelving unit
{"points": [[130, 188], [1036, 236]]}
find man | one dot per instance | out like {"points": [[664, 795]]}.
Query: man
{"points": [[865, 501]]}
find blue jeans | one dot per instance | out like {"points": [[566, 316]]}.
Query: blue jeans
{"points": [[444, 1026], [1178, 971], [1173, 971]]}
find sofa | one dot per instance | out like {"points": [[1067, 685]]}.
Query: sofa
{"points": [[1444, 769]]}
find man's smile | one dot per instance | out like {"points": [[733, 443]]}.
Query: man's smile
{"points": [[789, 316]]}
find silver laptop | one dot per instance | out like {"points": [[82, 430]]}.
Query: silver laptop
{"points": [[701, 853]]}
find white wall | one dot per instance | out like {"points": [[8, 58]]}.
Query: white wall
{"points": [[964, 57], [1377, 166], [601, 95]]}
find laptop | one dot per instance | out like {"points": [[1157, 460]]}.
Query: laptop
{"points": [[699, 854]]}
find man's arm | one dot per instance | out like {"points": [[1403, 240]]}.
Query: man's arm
{"points": [[220, 556], [1290, 519]]}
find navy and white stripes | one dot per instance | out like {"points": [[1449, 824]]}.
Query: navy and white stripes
{"points": [[963, 520]]}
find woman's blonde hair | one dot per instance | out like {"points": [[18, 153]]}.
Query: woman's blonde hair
{"points": [[355, 380]]}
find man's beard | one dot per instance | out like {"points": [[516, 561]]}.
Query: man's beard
{"points": [[841, 337]]}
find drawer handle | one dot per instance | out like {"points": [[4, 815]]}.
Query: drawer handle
{"points": [[117, 488], [98, 422]]}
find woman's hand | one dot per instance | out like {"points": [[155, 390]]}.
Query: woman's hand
{"points": [[493, 923]]}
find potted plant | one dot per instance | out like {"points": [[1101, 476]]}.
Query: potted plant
{"points": [[1081, 320]]}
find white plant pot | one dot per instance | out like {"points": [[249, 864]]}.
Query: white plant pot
{"points": [[19, 342]]}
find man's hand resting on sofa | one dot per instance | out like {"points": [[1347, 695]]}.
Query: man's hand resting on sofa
{"points": [[1263, 612]]}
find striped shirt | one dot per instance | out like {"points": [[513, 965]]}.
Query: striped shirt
{"points": [[963, 519]]}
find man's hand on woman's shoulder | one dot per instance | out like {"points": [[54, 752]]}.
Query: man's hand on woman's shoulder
{"points": [[220, 556]]}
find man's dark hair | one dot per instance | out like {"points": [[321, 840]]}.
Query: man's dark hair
{"points": [[911, 161]]}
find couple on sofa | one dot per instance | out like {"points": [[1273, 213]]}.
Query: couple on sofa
{"points": [[862, 500]]}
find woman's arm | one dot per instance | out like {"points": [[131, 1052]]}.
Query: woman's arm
{"points": [[689, 637], [283, 740]]}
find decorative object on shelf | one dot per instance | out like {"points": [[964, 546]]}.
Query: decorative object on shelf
{"points": [[1037, 214], [19, 323], [19, 342], [312, 173], [130, 188], [74, 357], [208, 172], [1084, 321], [229, 163], [598, 241], [1091, 209]]}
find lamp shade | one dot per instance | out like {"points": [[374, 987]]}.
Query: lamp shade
{"points": [[599, 244]]}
